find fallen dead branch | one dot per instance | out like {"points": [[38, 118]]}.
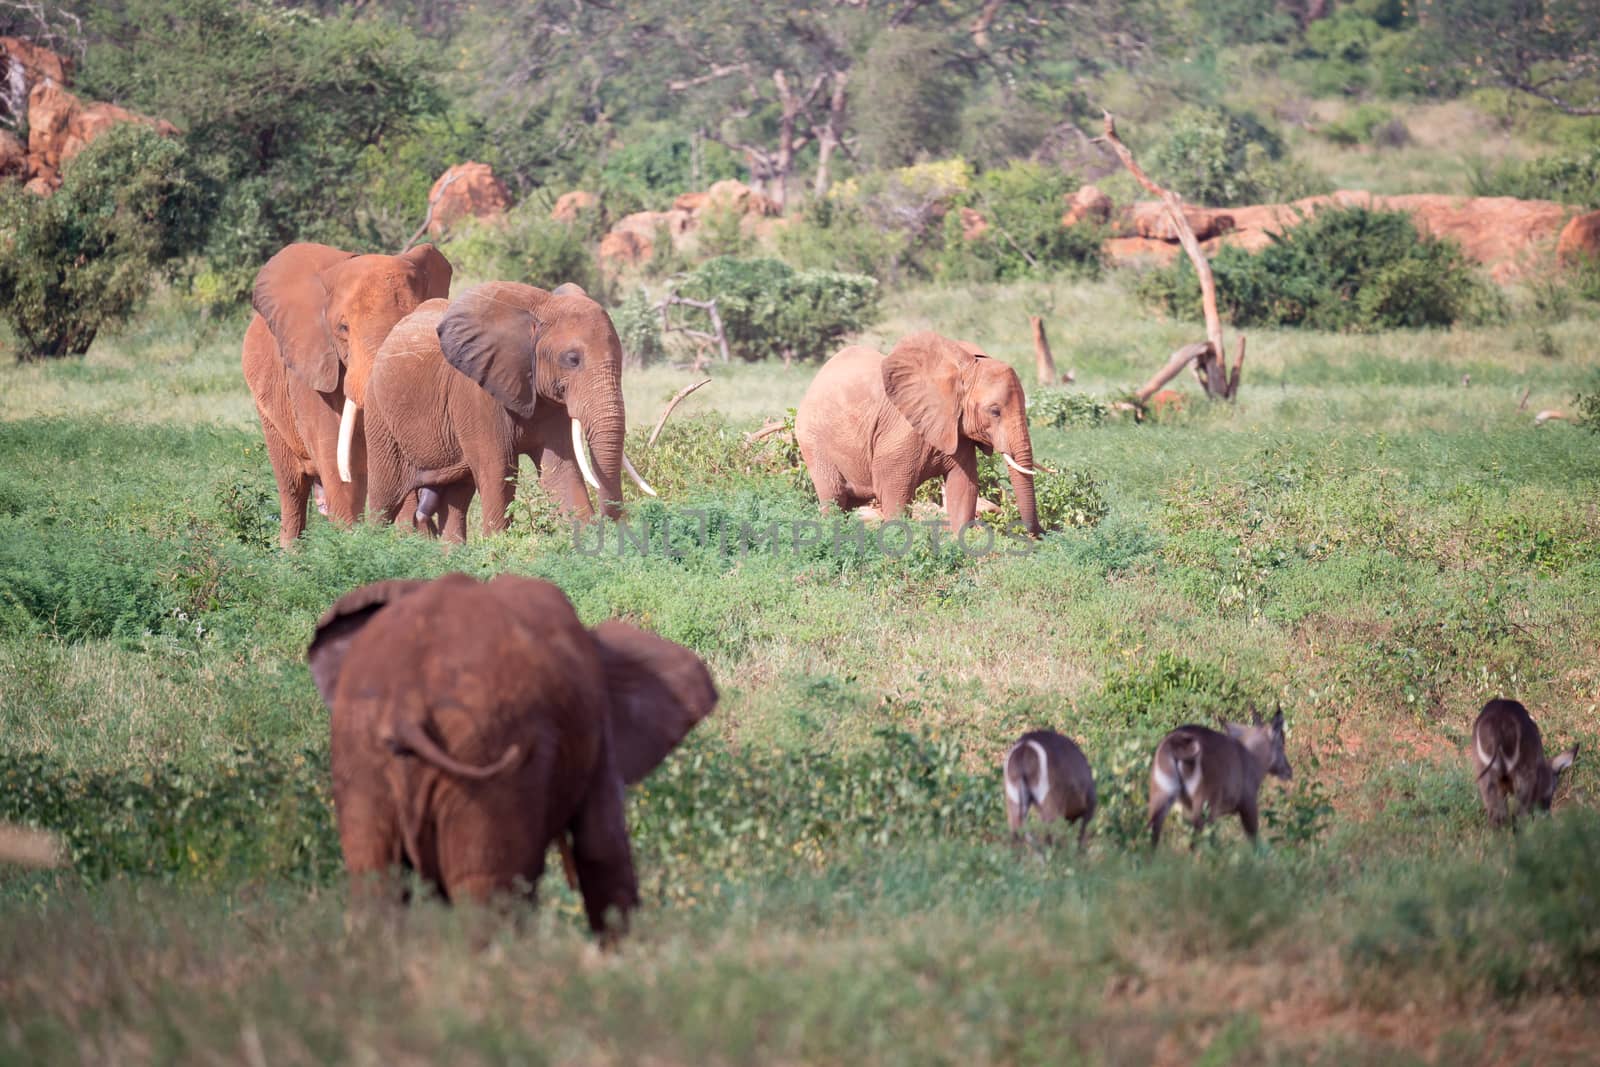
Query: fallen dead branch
{"points": [[773, 426], [1549, 415], [717, 333], [677, 399], [1209, 359]]}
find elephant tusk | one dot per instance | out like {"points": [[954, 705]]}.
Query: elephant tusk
{"points": [[580, 446], [644, 486], [1014, 465], [347, 435]]}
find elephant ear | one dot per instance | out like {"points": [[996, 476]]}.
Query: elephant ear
{"points": [[340, 624], [291, 295], [490, 334], [659, 691], [923, 379], [434, 269]]}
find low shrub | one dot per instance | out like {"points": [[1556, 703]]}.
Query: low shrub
{"points": [[1063, 409], [1022, 235], [527, 245], [1572, 178], [1369, 124], [639, 328], [1342, 269], [768, 308], [1070, 499], [1222, 157], [84, 258]]}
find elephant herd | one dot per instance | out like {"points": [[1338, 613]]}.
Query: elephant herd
{"points": [[474, 724]]}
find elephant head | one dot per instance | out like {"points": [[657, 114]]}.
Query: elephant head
{"points": [[951, 393], [524, 345], [330, 310]]}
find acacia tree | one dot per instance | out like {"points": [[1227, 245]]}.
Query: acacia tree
{"points": [[1544, 48]]}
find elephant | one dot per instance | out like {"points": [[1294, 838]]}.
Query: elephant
{"points": [[462, 388], [476, 723], [872, 426], [321, 315]]}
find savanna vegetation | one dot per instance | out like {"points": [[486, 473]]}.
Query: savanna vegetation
{"points": [[1375, 534]]}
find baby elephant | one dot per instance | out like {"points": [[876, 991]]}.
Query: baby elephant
{"points": [[1047, 771], [1212, 774], [1509, 755]]}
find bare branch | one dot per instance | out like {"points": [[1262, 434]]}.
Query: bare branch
{"points": [[710, 76], [428, 218], [674, 402]]}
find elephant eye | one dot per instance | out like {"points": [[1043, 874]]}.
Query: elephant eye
{"points": [[570, 358], [994, 411], [344, 328]]}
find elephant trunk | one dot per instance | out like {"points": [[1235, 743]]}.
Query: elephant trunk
{"points": [[1019, 458], [362, 353], [602, 428]]}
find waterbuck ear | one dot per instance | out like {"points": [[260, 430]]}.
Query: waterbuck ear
{"points": [[1563, 761], [1235, 730], [340, 624], [1255, 717], [1277, 721], [659, 691]]}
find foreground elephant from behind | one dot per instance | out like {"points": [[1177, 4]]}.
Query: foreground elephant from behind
{"points": [[474, 724], [321, 315], [461, 389], [876, 427]]}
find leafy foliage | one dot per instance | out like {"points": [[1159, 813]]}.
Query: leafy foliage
{"points": [[768, 308], [279, 108], [1065, 409], [1342, 269], [1222, 157], [1021, 205], [1572, 178], [84, 258], [527, 245]]}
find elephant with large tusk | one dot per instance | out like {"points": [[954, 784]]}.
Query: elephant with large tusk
{"points": [[875, 427], [321, 316], [462, 388]]}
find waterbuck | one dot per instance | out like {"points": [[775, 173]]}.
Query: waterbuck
{"points": [[1212, 774], [1046, 771], [1509, 755]]}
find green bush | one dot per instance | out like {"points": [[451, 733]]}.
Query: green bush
{"points": [[887, 224], [1570, 179], [1369, 124], [639, 328], [527, 245], [1342, 269], [1070, 499], [281, 111], [768, 308], [1063, 409], [84, 258], [646, 173], [1222, 157], [1022, 205]]}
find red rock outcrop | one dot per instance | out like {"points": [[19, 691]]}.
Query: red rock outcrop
{"points": [[1579, 241], [632, 239], [36, 61], [13, 154], [626, 248], [973, 224], [1088, 204], [465, 191], [570, 205], [60, 125], [1506, 235]]}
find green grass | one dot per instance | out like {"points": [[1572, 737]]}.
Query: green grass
{"points": [[828, 878]]}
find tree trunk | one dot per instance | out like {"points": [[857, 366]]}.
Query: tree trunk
{"points": [[1044, 362], [829, 135]]}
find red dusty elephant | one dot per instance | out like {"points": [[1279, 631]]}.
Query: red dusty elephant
{"points": [[461, 389], [476, 723], [872, 426], [321, 315]]}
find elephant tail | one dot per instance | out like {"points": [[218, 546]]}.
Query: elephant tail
{"points": [[410, 739]]}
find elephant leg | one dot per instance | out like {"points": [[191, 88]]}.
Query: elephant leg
{"points": [[828, 482], [294, 485], [497, 487], [346, 500], [485, 854], [560, 476], [370, 838], [457, 501], [961, 490], [893, 498], [602, 856]]}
